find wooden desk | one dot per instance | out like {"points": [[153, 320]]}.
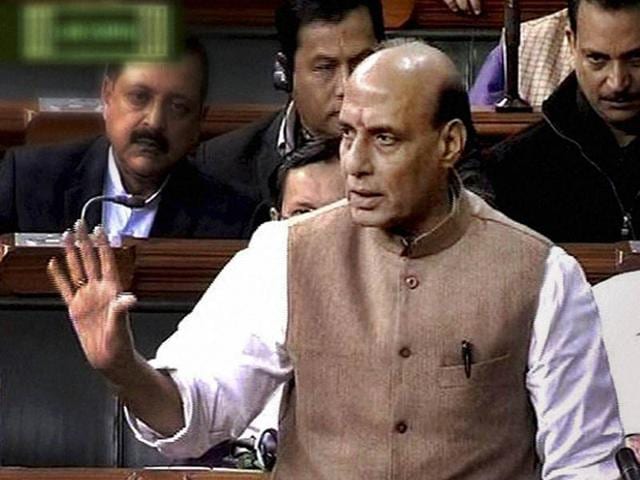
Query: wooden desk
{"points": [[123, 474], [181, 269]]}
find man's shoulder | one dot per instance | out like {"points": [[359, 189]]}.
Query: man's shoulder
{"points": [[56, 157], [529, 139], [330, 218], [503, 227], [237, 142]]}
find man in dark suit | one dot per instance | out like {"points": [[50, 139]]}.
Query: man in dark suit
{"points": [[321, 42], [152, 116]]}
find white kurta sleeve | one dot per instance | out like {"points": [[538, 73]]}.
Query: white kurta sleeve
{"points": [[227, 356], [568, 379]]}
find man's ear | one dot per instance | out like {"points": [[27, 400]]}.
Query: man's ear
{"points": [[453, 138], [571, 39], [106, 94]]}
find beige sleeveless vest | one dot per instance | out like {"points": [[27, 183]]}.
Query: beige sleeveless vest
{"points": [[375, 332]]}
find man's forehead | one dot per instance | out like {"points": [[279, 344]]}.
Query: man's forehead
{"points": [[618, 29], [352, 35], [183, 76]]}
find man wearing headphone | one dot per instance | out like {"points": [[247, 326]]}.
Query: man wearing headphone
{"points": [[321, 43]]}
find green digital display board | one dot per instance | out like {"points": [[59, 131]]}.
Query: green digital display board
{"points": [[89, 32]]}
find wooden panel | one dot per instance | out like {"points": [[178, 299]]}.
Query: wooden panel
{"points": [[253, 13], [14, 118], [260, 13], [435, 14], [398, 13], [123, 474], [62, 127], [184, 268]]}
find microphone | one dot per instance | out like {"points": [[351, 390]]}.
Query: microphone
{"points": [[627, 464], [131, 201]]}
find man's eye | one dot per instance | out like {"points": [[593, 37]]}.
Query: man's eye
{"points": [[596, 60], [324, 68], [300, 211], [138, 98], [180, 108], [385, 139], [346, 133]]}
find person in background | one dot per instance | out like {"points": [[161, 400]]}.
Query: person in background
{"points": [[321, 42], [309, 178], [152, 114], [575, 175]]}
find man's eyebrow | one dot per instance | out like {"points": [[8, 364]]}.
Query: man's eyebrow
{"points": [[631, 53], [323, 57], [591, 51]]}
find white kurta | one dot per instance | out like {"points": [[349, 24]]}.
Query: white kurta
{"points": [[228, 356]]}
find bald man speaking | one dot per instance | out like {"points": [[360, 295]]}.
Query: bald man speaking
{"points": [[421, 334]]}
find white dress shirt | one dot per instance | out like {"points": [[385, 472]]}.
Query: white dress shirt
{"points": [[120, 221], [228, 356]]}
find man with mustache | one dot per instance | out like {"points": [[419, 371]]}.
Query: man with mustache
{"points": [[152, 116], [419, 332], [575, 176]]}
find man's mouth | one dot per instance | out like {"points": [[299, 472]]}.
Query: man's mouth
{"points": [[622, 103], [364, 199], [150, 142]]}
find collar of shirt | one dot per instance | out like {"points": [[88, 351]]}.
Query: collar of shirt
{"points": [[447, 232], [291, 134], [119, 220]]}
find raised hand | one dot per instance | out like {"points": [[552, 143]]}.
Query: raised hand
{"points": [[466, 6], [90, 287]]}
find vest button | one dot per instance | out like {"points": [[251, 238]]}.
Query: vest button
{"points": [[405, 352], [412, 282], [401, 427]]}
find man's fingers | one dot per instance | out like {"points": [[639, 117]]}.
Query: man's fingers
{"points": [[108, 266], [87, 253], [60, 280], [464, 6], [72, 259], [476, 5], [453, 6]]}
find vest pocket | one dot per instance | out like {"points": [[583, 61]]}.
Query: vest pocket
{"points": [[495, 371]]}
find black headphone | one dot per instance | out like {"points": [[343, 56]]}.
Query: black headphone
{"points": [[282, 74]]}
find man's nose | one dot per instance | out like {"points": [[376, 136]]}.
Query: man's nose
{"points": [[155, 116], [342, 75], [355, 158], [618, 78]]}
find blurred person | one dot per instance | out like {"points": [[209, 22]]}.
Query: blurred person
{"points": [[575, 175], [309, 178], [152, 114], [321, 42]]}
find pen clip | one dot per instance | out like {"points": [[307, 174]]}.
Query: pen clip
{"points": [[467, 356]]}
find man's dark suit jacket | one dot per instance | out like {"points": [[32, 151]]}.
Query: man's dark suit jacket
{"points": [[43, 189], [245, 160]]}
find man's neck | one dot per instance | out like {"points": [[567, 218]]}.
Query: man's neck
{"points": [[143, 187]]}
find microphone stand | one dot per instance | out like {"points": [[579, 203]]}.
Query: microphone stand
{"points": [[512, 102]]}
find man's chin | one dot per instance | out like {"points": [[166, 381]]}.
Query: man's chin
{"points": [[367, 218], [626, 121]]}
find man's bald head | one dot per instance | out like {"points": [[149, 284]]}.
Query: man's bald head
{"points": [[423, 72], [399, 140]]}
